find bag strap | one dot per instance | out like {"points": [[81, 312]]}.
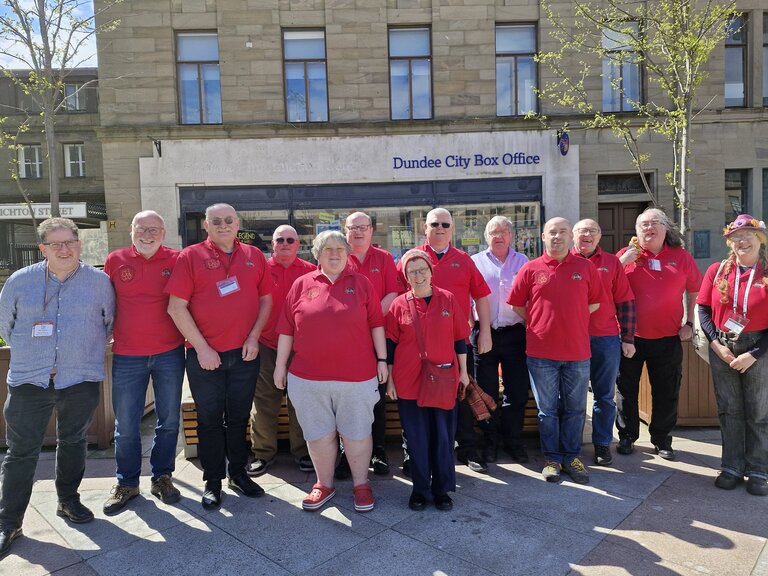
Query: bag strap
{"points": [[417, 326]]}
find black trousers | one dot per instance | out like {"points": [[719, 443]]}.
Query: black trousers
{"points": [[664, 360]]}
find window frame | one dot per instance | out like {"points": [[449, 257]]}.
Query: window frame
{"points": [[744, 48], [23, 162], [745, 196], [79, 162], [515, 55], [199, 65], [305, 62], [623, 101], [79, 99], [410, 60]]}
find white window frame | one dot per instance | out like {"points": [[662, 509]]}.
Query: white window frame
{"points": [[30, 158], [73, 102], [74, 160]]}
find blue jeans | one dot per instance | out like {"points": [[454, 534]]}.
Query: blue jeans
{"points": [[560, 389], [130, 378], [27, 412], [223, 400], [603, 369], [742, 406]]}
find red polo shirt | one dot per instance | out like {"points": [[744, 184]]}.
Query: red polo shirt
{"points": [[442, 322], [603, 321], [331, 327], [659, 293], [379, 267], [757, 301], [142, 324], [457, 273], [224, 321], [557, 296], [284, 279]]}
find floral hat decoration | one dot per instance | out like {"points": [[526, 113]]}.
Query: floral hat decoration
{"points": [[746, 222]]}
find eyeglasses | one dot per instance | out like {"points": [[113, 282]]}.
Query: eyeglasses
{"points": [[219, 221], [741, 236], [153, 231], [498, 232], [419, 271], [590, 231], [56, 246], [438, 224], [359, 228], [284, 240], [649, 224]]}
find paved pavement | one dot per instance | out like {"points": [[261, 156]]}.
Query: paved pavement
{"points": [[644, 515]]}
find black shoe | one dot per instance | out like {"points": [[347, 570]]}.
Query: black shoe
{"points": [[491, 453], [626, 446], [757, 486], [379, 461], [603, 455], [417, 502], [407, 467], [664, 449], [342, 471], [7, 537], [75, 511], [473, 461], [518, 453], [245, 485], [443, 502], [728, 481], [211, 495], [305, 464]]}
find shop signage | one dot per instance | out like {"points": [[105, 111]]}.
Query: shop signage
{"points": [[21, 211], [247, 237], [464, 162]]}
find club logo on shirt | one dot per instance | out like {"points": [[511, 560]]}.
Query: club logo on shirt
{"points": [[455, 265], [350, 290], [249, 263], [127, 273], [312, 293], [603, 269], [165, 272], [541, 278], [672, 263], [212, 263], [375, 270], [407, 317], [576, 276], [445, 313]]}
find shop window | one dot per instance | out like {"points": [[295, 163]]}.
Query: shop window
{"points": [[736, 193], [306, 81], [74, 160], [74, 97], [736, 62], [515, 69], [199, 85], [622, 91], [410, 73], [30, 159]]}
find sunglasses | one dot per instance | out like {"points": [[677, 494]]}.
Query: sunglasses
{"points": [[219, 221], [438, 224], [284, 240]]}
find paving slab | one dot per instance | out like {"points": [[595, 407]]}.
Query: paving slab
{"points": [[610, 559]]}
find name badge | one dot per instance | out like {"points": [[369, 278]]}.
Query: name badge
{"points": [[227, 286], [42, 330], [654, 264], [736, 322]]}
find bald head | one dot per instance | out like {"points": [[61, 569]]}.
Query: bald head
{"points": [[557, 236]]}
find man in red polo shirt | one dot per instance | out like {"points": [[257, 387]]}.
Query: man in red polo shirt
{"points": [[556, 294], [378, 266], [285, 267], [611, 333], [455, 271], [147, 344], [220, 299]]}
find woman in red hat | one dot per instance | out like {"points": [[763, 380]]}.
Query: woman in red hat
{"points": [[733, 311], [428, 319]]}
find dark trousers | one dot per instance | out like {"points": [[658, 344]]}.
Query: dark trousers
{"points": [[430, 434], [379, 427], [506, 423], [466, 437], [223, 403], [27, 412], [664, 360]]}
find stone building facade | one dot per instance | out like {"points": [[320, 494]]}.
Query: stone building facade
{"points": [[303, 110]]}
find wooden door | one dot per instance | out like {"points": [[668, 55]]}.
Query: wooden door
{"points": [[617, 221]]}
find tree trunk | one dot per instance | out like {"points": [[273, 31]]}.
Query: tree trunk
{"points": [[53, 154]]}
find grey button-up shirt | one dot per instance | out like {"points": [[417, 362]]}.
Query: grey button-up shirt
{"points": [[81, 310]]}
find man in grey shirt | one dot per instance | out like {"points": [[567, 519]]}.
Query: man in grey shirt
{"points": [[56, 316]]}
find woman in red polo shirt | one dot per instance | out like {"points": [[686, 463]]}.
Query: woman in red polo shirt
{"points": [[332, 321], [733, 311], [443, 328]]}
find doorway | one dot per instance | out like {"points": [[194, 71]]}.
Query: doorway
{"points": [[617, 221]]}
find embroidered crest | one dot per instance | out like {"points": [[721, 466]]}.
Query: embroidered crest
{"points": [[375, 270], [407, 317], [541, 278], [350, 290], [249, 263], [576, 276], [602, 269], [445, 312], [672, 263], [312, 293], [212, 263], [127, 273], [165, 272], [455, 265]]}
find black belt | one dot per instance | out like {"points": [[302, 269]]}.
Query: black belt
{"points": [[502, 329]]}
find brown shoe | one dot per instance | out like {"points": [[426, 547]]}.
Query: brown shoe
{"points": [[164, 489], [119, 497]]}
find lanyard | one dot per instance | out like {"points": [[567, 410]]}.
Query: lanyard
{"points": [[736, 282], [215, 252]]}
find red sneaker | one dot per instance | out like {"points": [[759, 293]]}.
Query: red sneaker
{"points": [[363, 498], [317, 497]]}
